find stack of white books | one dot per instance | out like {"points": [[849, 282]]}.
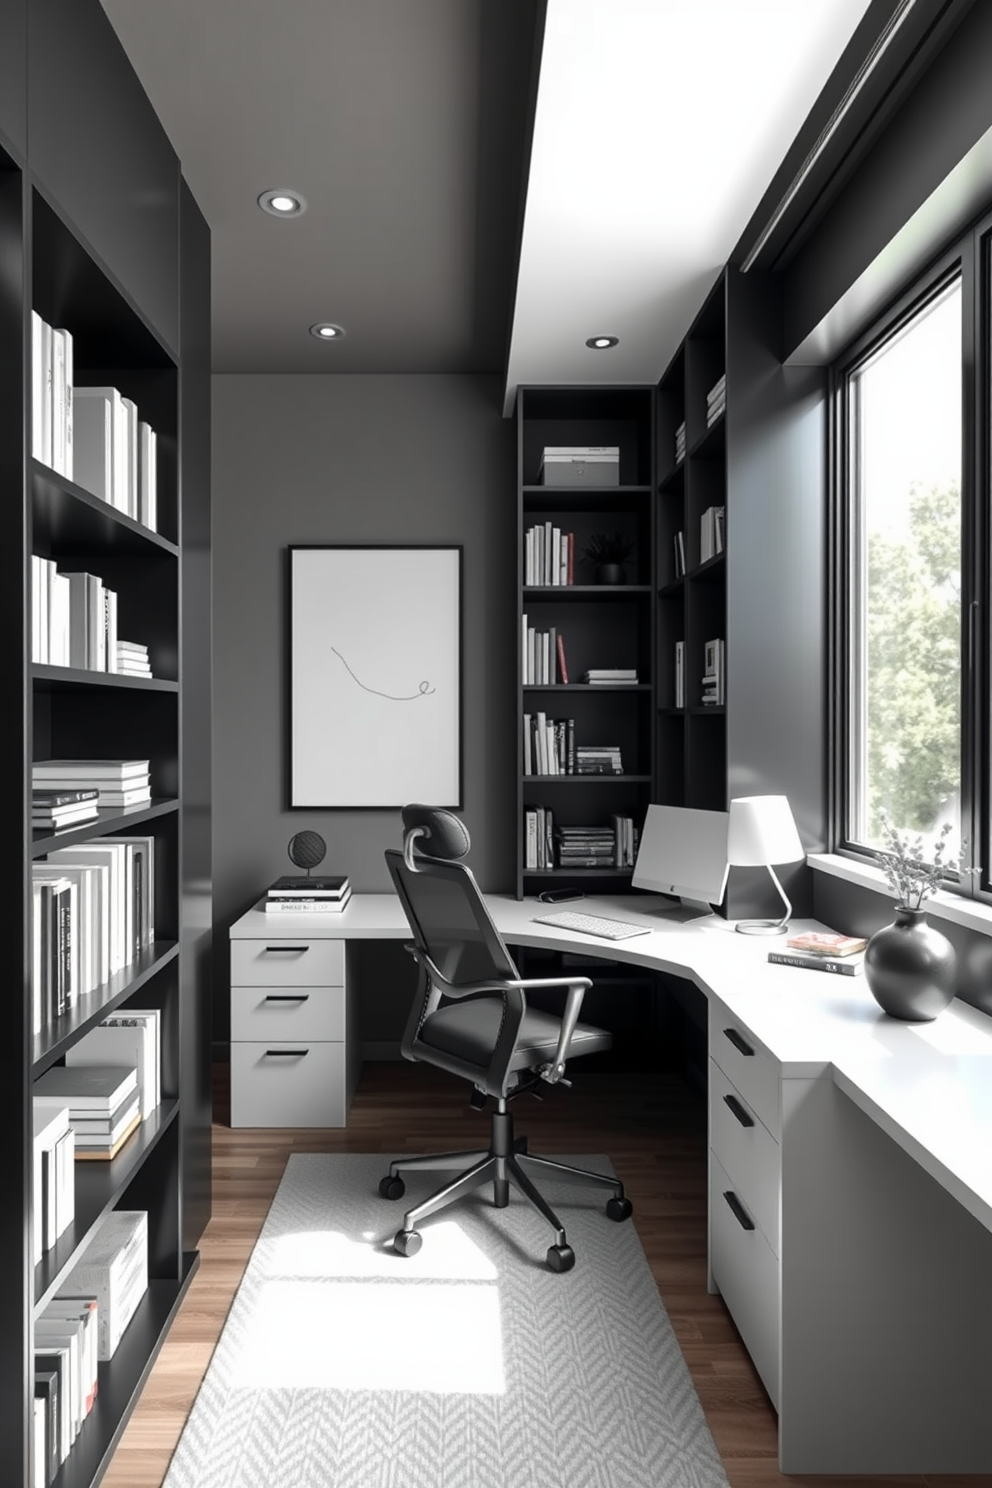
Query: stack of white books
{"points": [[73, 618], [54, 1185], [116, 455], [114, 1269], [103, 1100], [119, 782], [132, 659], [298, 894], [52, 809], [131, 1038]]}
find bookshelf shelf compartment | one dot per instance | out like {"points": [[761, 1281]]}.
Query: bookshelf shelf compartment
{"points": [[71, 520], [110, 820], [712, 445], [586, 500], [77, 679], [122, 1378], [98, 1187], [590, 779], [52, 1042]]}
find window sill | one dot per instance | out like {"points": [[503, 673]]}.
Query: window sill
{"points": [[972, 913]]}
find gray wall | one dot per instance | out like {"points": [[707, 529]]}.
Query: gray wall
{"points": [[352, 459]]}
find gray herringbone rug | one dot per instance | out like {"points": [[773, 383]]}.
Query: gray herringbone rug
{"points": [[470, 1365]]}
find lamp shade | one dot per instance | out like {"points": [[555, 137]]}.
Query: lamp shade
{"points": [[762, 830]]}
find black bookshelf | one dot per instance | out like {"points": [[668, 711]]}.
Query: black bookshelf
{"points": [[601, 624], [97, 252]]}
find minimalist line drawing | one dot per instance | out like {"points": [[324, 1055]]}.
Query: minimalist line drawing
{"points": [[424, 690]]}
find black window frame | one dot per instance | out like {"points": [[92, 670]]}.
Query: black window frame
{"points": [[968, 256]]}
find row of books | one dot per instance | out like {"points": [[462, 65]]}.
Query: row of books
{"points": [[118, 783], [543, 659], [74, 623], [93, 908], [550, 749], [550, 845], [549, 556], [92, 435], [302, 894], [714, 674], [711, 532], [716, 400], [81, 1328]]}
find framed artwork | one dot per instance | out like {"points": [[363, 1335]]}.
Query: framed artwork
{"points": [[375, 676]]}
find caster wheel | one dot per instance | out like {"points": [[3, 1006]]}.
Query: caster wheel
{"points": [[619, 1209], [392, 1188], [561, 1258], [407, 1242]]}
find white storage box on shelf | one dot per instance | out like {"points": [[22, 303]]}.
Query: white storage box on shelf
{"points": [[578, 465]]}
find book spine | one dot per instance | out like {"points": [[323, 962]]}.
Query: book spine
{"points": [[815, 963]]}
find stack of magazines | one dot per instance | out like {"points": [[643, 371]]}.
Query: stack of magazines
{"points": [[299, 894]]}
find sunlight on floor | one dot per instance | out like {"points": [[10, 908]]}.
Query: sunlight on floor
{"points": [[447, 1254], [416, 1335]]}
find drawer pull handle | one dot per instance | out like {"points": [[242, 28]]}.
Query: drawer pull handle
{"points": [[741, 1045], [283, 950], [286, 1053], [290, 997], [738, 1211], [743, 1116]]}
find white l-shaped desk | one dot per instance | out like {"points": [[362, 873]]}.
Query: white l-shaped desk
{"points": [[850, 1213]]}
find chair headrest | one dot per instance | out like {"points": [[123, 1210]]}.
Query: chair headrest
{"points": [[436, 832]]}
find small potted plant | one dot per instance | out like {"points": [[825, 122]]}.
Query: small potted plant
{"points": [[909, 966], [609, 553]]}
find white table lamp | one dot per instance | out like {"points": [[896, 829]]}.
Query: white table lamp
{"points": [[762, 831]]}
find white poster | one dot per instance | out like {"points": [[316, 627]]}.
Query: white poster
{"points": [[375, 676]]}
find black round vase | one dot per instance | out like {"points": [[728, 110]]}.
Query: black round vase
{"points": [[910, 967], [610, 573]]}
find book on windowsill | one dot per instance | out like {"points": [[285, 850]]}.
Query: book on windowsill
{"points": [[826, 943], [845, 966]]}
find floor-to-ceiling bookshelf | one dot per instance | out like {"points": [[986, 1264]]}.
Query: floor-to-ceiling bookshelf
{"points": [[602, 625], [48, 264]]}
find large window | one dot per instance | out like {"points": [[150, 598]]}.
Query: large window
{"points": [[902, 404]]}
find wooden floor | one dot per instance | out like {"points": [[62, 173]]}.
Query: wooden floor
{"points": [[653, 1128]]}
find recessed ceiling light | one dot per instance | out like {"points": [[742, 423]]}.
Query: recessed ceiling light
{"points": [[325, 331], [602, 343], [282, 203]]}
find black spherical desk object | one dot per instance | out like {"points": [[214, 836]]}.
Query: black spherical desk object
{"points": [[307, 849]]}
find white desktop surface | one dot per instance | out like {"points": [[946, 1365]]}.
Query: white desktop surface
{"points": [[924, 1084]]}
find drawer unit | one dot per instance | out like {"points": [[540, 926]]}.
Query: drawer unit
{"points": [[288, 1084], [294, 1042], [746, 1271], [747, 1152], [259, 1013], [749, 1068], [287, 961]]}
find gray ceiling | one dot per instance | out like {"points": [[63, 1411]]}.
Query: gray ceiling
{"points": [[403, 124]]}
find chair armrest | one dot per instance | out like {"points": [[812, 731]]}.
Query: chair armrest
{"points": [[577, 987]]}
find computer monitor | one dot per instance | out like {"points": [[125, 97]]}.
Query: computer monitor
{"points": [[684, 852]]}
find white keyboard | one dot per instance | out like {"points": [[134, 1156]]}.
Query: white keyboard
{"points": [[588, 924]]}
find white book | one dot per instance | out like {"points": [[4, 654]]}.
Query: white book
{"points": [[93, 438], [110, 629], [59, 605], [80, 619], [117, 487], [36, 563], [37, 1011], [44, 607], [46, 392], [147, 476], [58, 401], [39, 1441], [50, 1121], [142, 1019], [68, 423], [37, 387], [131, 455], [81, 772]]}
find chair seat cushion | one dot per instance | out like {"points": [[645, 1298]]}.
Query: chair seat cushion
{"points": [[469, 1029]]}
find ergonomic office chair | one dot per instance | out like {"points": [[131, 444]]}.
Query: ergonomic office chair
{"points": [[470, 1017]]}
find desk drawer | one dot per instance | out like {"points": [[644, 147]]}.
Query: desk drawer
{"points": [[746, 1271], [291, 1013], [747, 1152], [755, 1074], [288, 1084], [287, 961]]}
